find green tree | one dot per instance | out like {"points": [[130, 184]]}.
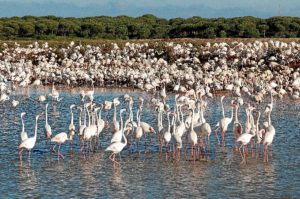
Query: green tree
{"points": [[26, 29]]}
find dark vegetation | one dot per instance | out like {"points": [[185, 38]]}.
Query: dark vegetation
{"points": [[147, 27]]}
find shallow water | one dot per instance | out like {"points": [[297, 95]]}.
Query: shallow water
{"points": [[147, 175]]}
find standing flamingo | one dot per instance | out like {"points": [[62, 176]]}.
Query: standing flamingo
{"points": [[244, 139], [29, 142], [237, 126], [193, 136], [24, 135], [48, 131], [71, 126], [167, 135], [117, 147], [117, 136], [59, 139], [139, 129], [269, 136], [223, 125]]}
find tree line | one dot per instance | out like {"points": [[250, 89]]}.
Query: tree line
{"points": [[147, 27]]}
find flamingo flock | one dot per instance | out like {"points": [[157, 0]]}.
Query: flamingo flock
{"points": [[249, 69], [181, 127]]}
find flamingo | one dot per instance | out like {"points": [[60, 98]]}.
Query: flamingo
{"points": [[100, 122], [116, 126], [48, 131], [117, 136], [90, 130], [269, 137], [41, 98], [237, 126], [167, 135], [71, 126], [82, 126], [223, 124], [29, 142], [244, 139], [117, 147], [59, 139], [82, 95], [139, 129], [222, 106], [54, 94], [177, 135], [193, 136], [204, 130], [24, 135], [90, 93], [14, 103], [163, 93]]}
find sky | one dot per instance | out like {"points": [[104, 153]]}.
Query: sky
{"points": [[161, 8]]}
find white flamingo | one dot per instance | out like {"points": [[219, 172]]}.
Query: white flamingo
{"points": [[223, 125], [117, 136], [71, 126], [24, 135], [116, 147], [138, 129], [54, 94], [237, 126], [192, 137], [204, 130], [90, 130], [244, 139], [14, 103], [269, 137], [90, 93], [48, 131], [29, 142], [59, 139], [116, 125], [167, 135]]}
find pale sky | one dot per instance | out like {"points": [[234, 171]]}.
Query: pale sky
{"points": [[160, 8]]}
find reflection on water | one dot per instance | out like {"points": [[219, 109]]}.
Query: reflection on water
{"points": [[147, 175]]}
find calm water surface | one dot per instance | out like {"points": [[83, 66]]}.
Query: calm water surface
{"points": [[146, 176]]}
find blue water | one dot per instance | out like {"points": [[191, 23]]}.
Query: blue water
{"points": [[145, 175]]}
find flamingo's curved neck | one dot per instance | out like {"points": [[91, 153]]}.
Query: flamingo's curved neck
{"points": [[192, 123], [72, 116], [231, 118], [236, 119], [84, 111], [23, 127], [35, 130], [89, 123], [270, 122], [80, 115], [223, 111], [46, 114], [169, 125], [100, 112], [138, 117]]}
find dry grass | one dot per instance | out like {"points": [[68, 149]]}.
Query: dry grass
{"points": [[64, 41]]}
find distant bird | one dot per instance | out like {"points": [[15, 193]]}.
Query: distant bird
{"points": [[41, 98], [15, 103]]}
